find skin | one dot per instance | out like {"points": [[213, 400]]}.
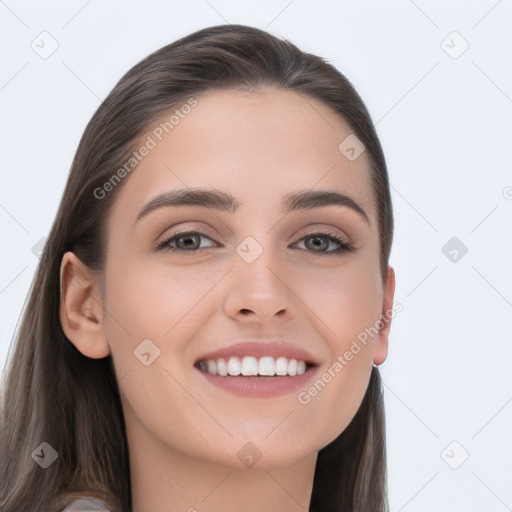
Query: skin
{"points": [[184, 434]]}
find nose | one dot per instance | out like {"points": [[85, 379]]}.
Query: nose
{"points": [[259, 291]]}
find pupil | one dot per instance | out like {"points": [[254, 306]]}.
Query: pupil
{"points": [[189, 240], [316, 239]]}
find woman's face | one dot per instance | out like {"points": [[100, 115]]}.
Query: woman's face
{"points": [[255, 277]]}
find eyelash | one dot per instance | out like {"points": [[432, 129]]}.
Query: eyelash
{"points": [[343, 246]]}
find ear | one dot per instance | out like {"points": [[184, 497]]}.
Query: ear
{"points": [[380, 351], [81, 311]]}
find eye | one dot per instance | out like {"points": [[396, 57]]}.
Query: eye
{"points": [[189, 238], [316, 242], [321, 240]]}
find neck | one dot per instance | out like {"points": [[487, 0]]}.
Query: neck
{"points": [[166, 480]]}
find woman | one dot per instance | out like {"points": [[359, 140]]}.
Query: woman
{"points": [[213, 301]]}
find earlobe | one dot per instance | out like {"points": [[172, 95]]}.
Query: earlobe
{"points": [[81, 312], [380, 352]]}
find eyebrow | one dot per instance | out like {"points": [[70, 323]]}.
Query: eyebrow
{"points": [[223, 201]]}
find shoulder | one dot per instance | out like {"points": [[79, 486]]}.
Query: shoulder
{"points": [[86, 505]]}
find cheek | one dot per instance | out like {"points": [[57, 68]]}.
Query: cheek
{"points": [[151, 298], [347, 300], [157, 302], [346, 303]]}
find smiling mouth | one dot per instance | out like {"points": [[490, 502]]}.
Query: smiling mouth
{"points": [[266, 367]]}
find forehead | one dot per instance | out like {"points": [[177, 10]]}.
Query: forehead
{"points": [[258, 146]]}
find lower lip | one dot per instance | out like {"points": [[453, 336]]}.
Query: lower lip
{"points": [[260, 387]]}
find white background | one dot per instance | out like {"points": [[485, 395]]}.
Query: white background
{"points": [[445, 125]]}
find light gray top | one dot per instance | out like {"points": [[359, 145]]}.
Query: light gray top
{"points": [[86, 505]]}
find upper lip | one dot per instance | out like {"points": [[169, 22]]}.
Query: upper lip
{"points": [[260, 349]]}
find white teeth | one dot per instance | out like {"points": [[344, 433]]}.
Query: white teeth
{"points": [[281, 366], [266, 366], [222, 368], [251, 366], [212, 366], [234, 366], [292, 367]]}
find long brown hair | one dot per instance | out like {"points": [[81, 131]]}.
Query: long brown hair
{"points": [[54, 394]]}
